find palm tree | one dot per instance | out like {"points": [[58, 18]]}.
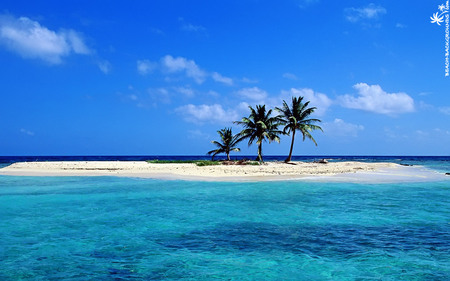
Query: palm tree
{"points": [[228, 143], [297, 117], [260, 126]]}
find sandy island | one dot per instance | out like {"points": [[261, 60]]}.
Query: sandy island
{"points": [[333, 171]]}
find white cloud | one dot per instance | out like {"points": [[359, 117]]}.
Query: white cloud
{"points": [[213, 94], [341, 128], [372, 98], [395, 133], [171, 65], [160, 95], [186, 26], [442, 132], [421, 133], [27, 132], [290, 76], [254, 94], [145, 66], [318, 100], [156, 31], [370, 12], [193, 28], [76, 42], [188, 92], [424, 105], [207, 113], [222, 79], [31, 40], [180, 64], [434, 134], [243, 107], [105, 66], [445, 110], [400, 25], [250, 81]]}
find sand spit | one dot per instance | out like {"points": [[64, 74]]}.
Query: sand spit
{"points": [[333, 171]]}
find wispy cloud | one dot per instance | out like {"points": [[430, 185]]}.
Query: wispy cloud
{"points": [[194, 28], [369, 12], [189, 27], [305, 3], [204, 113], [253, 95], [290, 76], [145, 66], [186, 91], [105, 66], [154, 97], [222, 79], [341, 128], [30, 39], [395, 133], [374, 99], [156, 31], [249, 81], [160, 95], [442, 132], [172, 65], [180, 64], [27, 132], [445, 110]]}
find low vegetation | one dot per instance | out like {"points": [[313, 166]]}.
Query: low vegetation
{"points": [[201, 163], [196, 162], [241, 162]]}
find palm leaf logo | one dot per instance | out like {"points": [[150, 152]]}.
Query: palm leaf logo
{"points": [[436, 18]]}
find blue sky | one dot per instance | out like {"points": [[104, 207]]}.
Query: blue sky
{"points": [[161, 77]]}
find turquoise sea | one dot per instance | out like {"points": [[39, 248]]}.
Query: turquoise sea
{"points": [[107, 228]]}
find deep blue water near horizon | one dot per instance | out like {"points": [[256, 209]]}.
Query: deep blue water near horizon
{"points": [[108, 228]]}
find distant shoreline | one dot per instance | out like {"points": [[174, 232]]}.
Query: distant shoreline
{"points": [[348, 171]]}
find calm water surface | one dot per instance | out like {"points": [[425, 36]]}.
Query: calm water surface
{"points": [[101, 228]]}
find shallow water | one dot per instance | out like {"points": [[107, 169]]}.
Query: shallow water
{"points": [[100, 228]]}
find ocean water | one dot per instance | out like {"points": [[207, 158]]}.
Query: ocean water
{"points": [[108, 228]]}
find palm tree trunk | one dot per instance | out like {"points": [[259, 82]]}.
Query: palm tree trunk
{"points": [[228, 156], [292, 146], [260, 159]]}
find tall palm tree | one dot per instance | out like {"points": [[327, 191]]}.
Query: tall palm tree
{"points": [[227, 145], [260, 126], [296, 116]]}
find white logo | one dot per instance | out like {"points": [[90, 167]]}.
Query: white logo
{"points": [[439, 17]]}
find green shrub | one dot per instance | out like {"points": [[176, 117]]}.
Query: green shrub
{"points": [[196, 162]]}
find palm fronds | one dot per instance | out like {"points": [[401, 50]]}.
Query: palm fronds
{"points": [[296, 117], [260, 126], [227, 145]]}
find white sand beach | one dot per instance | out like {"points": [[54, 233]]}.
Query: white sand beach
{"points": [[333, 171]]}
